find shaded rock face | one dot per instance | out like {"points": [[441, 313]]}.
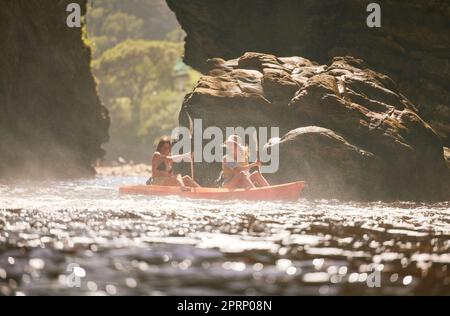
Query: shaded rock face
{"points": [[349, 132], [52, 122], [412, 46]]}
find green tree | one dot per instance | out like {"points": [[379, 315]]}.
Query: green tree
{"points": [[112, 21], [135, 82]]}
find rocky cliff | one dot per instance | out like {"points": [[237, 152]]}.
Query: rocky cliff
{"points": [[412, 46], [51, 120], [349, 131]]}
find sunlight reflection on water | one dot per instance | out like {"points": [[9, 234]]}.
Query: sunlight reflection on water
{"points": [[169, 245]]}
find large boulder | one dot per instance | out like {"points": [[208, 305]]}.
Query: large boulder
{"points": [[412, 45], [350, 132], [332, 166]]}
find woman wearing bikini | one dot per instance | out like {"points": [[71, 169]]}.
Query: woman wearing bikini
{"points": [[162, 167], [236, 169]]}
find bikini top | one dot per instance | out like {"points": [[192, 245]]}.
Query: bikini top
{"points": [[163, 167]]}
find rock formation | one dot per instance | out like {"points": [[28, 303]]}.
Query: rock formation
{"points": [[51, 120], [412, 46], [350, 132]]}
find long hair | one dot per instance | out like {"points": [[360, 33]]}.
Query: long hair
{"points": [[162, 141]]}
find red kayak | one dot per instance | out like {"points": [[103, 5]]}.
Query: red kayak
{"points": [[288, 191]]}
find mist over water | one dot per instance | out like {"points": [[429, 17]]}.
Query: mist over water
{"points": [[168, 245]]}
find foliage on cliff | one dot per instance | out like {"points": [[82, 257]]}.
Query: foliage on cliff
{"points": [[135, 80], [113, 21]]}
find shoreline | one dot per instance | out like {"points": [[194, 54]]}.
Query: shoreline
{"points": [[134, 170]]}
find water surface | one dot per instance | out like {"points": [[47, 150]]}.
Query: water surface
{"points": [[55, 233]]}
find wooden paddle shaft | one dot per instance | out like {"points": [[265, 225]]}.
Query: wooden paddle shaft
{"points": [[257, 148], [192, 167]]}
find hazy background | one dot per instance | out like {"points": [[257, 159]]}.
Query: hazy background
{"points": [[137, 48]]}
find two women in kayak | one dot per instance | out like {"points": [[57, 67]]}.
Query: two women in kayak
{"points": [[235, 167]]}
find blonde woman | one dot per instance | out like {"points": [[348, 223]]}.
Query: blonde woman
{"points": [[236, 169]]}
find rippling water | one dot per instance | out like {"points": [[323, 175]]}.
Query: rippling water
{"points": [[56, 236]]}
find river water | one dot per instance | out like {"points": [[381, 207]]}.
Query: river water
{"points": [[83, 238]]}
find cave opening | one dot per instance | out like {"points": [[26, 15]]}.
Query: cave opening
{"points": [[137, 49]]}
